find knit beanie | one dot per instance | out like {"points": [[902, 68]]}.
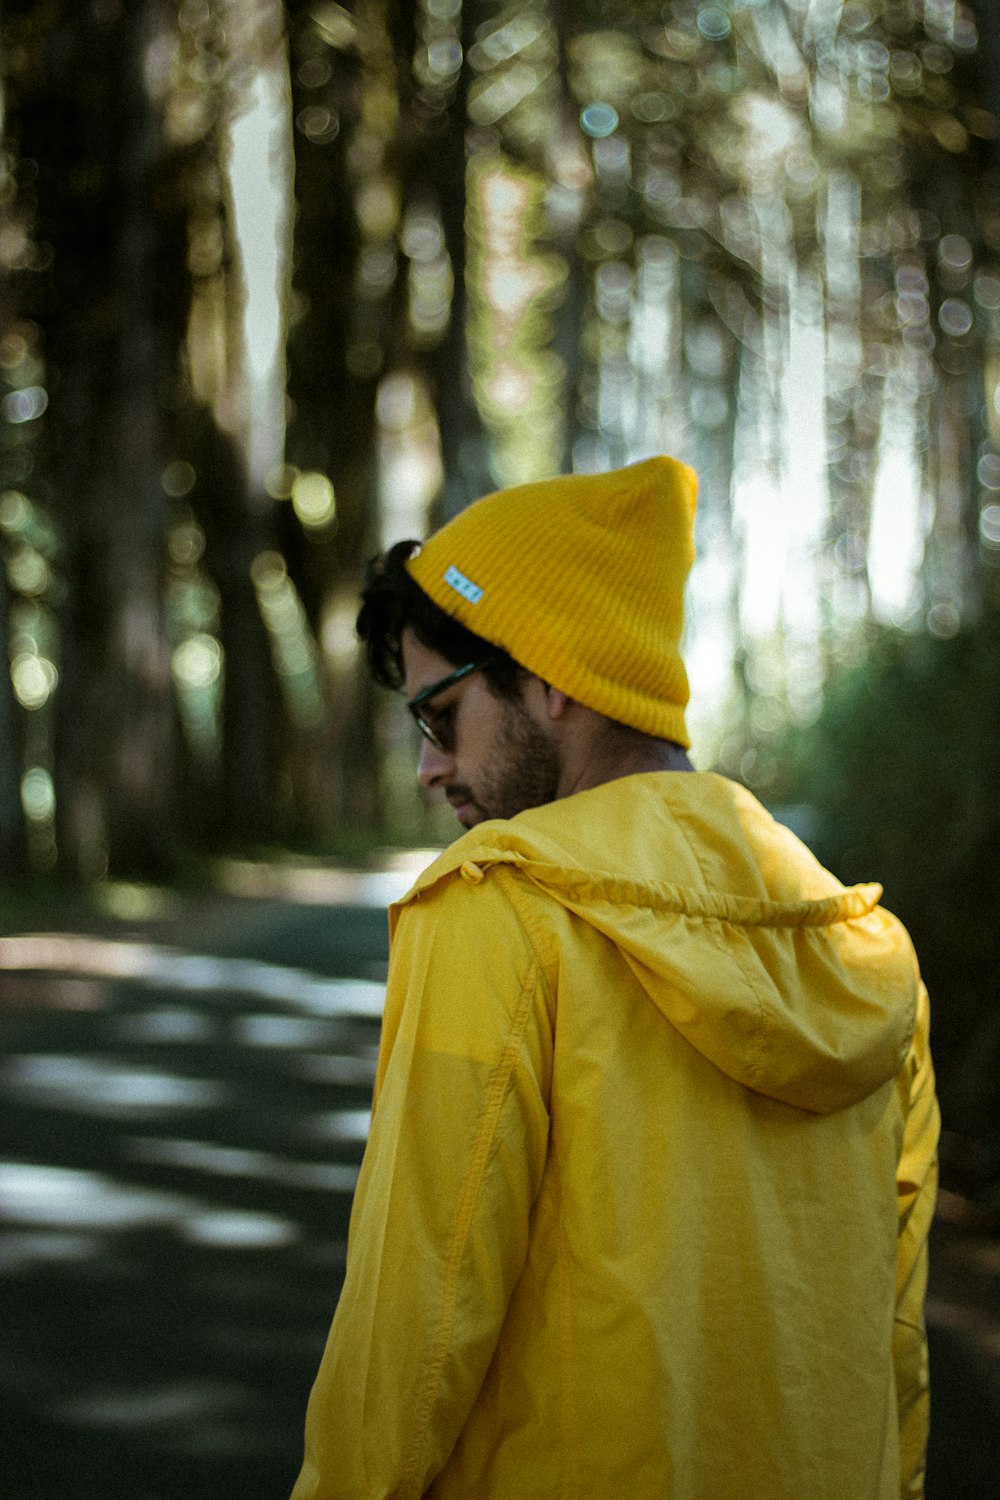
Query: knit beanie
{"points": [[581, 580]]}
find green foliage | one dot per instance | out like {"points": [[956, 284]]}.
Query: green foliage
{"points": [[901, 773]]}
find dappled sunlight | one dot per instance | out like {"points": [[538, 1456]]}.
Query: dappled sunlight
{"points": [[408, 454], [72, 1200], [178, 1167], [132, 901], [103, 1086], [339, 1125], [216, 1160], [161, 1406], [258, 163], [150, 964], [518, 380], [293, 648], [231, 1229], [323, 885]]}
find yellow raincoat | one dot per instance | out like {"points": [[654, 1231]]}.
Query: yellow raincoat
{"points": [[644, 1210]]}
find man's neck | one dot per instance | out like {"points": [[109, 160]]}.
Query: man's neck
{"points": [[620, 755]]}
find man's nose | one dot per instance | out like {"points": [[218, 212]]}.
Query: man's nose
{"points": [[434, 765]]}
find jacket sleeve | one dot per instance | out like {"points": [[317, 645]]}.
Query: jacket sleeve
{"points": [[439, 1226], [917, 1191]]}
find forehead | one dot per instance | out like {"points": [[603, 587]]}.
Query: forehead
{"points": [[422, 667]]}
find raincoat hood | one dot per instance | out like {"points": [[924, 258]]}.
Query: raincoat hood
{"points": [[793, 985]]}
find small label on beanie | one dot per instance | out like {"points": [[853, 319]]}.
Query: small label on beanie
{"points": [[463, 585]]}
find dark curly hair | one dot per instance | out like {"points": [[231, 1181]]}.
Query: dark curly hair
{"points": [[391, 600]]}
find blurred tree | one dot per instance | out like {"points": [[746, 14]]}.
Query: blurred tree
{"points": [[13, 844], [379, 398], [988, 59], [227, 422], [118, 119], [763, 234], [104, 301], [898, 778], [345, 111]]}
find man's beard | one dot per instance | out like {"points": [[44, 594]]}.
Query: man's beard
{"points": [[524, 770]]}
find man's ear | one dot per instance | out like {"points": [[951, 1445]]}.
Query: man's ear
{"points": [[556, 702]]}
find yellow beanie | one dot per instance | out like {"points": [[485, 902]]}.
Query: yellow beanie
{"points": [[581, 580]]}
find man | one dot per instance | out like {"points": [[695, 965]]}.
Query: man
{"points": [[645, 1203]]}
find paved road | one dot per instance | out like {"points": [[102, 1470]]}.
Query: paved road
{"points": [[185, 1103]]}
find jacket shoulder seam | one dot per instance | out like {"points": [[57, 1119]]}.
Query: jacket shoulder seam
{"points": [[514, 894]]}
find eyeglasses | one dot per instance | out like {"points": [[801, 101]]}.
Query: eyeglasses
{"points": [[440, 733]]}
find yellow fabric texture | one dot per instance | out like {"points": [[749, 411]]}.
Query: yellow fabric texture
{"points": [[644, 1210], [581, 579]]}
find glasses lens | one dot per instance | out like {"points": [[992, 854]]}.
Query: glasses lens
{"points": [[429, 731], [437, 725]]}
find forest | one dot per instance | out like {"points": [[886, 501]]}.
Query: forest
{"points": [[285, 283]]}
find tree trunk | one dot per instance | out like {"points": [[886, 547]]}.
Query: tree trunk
{"points": [[243, 811], [13, 845], [112, 313]]}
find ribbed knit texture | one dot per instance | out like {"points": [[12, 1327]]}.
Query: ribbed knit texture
{"points": [[581, 579]]}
